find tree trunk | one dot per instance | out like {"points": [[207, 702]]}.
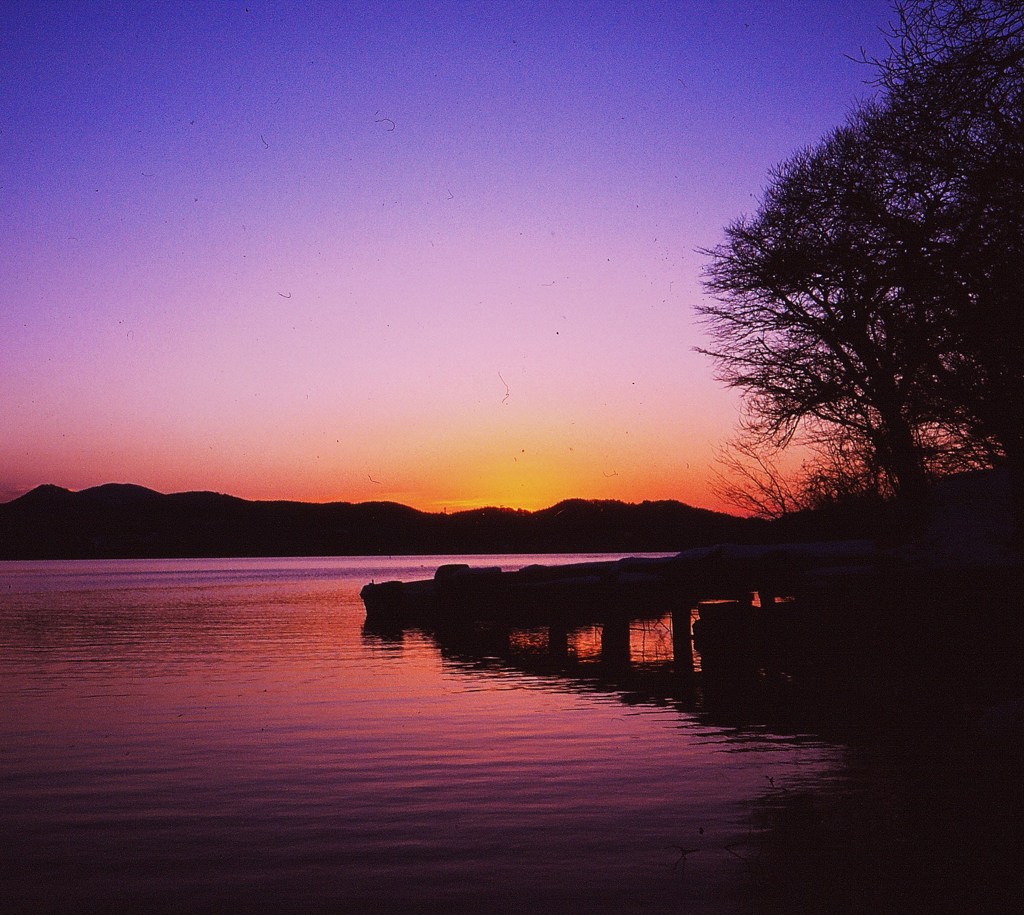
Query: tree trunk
{"points": [[900, 457]]}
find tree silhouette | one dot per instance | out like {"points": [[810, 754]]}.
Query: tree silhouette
{"points": [[954, 90], [873, 303], [809, 318]]}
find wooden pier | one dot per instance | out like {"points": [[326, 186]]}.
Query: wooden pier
{"points": [[795, 607]]}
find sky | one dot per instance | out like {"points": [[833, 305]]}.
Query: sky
{"points": [[444, 254]]}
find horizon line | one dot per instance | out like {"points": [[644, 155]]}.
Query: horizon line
{"points": [[456, 506]]}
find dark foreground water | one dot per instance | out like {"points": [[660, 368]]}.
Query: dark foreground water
{"points": [[224, 735]]}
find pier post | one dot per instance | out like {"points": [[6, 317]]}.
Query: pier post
{"points": [[615, 640], [682, 637], [558, 639]]}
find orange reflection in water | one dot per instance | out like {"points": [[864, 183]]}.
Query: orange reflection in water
{"points": [[650, 641], [585, 643], [529, 640]]}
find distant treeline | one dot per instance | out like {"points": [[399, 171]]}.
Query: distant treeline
{"points": [[125, 521]]}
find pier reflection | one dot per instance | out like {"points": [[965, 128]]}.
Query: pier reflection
{"points": [[651, 658], [922, 802], [923, 811], [648, 659]]}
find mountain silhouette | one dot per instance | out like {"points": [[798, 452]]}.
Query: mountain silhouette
{"points": [[120, 520]]}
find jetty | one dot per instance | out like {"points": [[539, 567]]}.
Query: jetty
{"points": [[462, 592], [844, 605]]}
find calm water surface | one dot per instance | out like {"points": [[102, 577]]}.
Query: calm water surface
{"points": [[223, 734]]}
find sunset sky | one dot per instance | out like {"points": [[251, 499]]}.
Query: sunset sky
{"points": [[438, 253]]}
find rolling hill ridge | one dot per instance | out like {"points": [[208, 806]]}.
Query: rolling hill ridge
{"points": [[119, 520]]}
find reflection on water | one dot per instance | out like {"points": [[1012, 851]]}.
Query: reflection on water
{"points": [[225, 734]]}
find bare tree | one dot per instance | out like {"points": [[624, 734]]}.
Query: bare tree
{"points": [[750, 478], [808, 319], [874, 304], [758, 477], [953, 88]]}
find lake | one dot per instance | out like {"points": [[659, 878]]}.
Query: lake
{"points": [[226, 735]]}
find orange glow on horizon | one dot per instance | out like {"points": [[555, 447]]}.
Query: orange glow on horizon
{"points": [[496, 458], [464, 488]]}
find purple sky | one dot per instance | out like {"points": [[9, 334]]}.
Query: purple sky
{"points": [[441, 253]]}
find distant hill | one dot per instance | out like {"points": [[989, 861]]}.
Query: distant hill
{"points": [[126, 521]]}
